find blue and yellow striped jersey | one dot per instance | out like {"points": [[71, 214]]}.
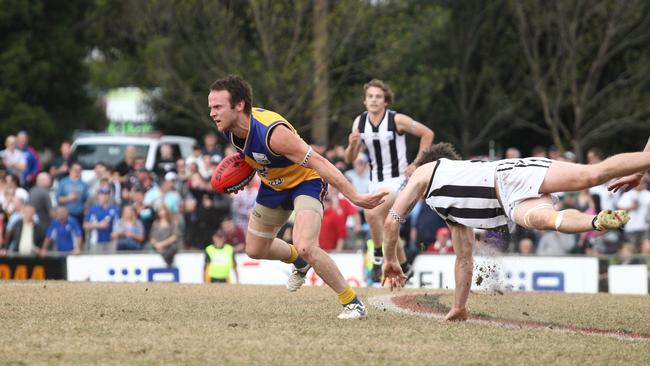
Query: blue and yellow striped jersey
{"points": [[276, 171]]}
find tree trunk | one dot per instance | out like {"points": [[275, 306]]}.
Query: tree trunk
{"points": [[320, 131]]}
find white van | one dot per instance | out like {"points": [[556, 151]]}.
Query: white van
{"points": [[106, 148]]}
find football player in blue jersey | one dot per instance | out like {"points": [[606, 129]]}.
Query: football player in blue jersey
{"points": [[294, 178]]}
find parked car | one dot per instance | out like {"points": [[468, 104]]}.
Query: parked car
{"points": [[105, 148]]}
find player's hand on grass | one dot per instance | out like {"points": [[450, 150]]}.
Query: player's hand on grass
{"points": [[628, 182], [393, 275], [457, 314], [369, 201]]}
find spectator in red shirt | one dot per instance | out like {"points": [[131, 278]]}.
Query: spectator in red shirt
{"points": [[442, 245], [233, 234], [336, 210]]}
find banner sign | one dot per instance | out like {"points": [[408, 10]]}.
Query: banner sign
{"points": [[516, 273], [502, 273], [32, 268], [263, 272], [187, 268], [629, 279], [563, 274]]}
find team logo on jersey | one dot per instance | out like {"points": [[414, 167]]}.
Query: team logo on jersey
{"points": [[261, 159], [276, 181]]}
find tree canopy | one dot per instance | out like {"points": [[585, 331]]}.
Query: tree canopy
{"points": [[571, 73]]}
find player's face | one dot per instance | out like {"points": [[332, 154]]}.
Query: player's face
{"points": [[375, 100], [223, 115]]}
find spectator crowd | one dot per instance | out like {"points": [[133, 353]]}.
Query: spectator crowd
{"points": [[47, 206]]}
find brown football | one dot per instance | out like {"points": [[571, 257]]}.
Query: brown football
{"points": [[232, 174]]}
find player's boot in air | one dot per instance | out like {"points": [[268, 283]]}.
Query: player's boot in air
{"points": [[609, 220], [297, 278], [375, 274], [353, 310]]}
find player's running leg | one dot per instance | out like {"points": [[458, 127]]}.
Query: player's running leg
{"points": [[306, 230], [375, 218], [261, 243]]}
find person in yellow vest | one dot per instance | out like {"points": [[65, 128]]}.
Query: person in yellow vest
{"points": [[367, 262], [220, 260]]}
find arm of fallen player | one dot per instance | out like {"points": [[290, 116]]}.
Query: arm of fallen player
{"points": [[396, 216]]}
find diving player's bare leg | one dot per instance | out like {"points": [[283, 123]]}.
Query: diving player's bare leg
{"points": [[570, 177], [539, 214]]}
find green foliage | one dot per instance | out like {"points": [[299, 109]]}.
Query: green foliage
{"points": [[43, 79], [573, 73], [588, 65]]}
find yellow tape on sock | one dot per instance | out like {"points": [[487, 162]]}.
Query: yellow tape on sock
{"points": [[347, 295], [293, 256]]}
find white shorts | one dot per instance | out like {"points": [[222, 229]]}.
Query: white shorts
{"points": [[518, 180], [393, 185]]}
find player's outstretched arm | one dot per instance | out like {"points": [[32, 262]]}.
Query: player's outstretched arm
{"points": [[406, 124], [404, 203], [629, 181], [283, 141]]}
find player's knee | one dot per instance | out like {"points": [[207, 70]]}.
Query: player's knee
{"points": [[535, 220], [305, 250], [540, 217], [374, 216]]}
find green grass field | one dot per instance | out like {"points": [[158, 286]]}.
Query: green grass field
{"points": [[138, 324]]}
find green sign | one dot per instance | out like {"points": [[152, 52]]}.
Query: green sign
{"points": [[129, 127]]}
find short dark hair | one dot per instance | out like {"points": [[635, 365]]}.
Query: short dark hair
{"points": [[388, 93], [437, 151], [238, 89]]}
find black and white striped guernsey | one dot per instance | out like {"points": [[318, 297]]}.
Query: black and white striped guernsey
{"points": [[462, 192], [386, 147]]}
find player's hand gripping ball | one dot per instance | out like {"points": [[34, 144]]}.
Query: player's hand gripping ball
{"points": [[232, 174]]}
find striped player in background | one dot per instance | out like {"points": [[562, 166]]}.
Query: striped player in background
{"points": [[489, 195], [383, 134]]}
